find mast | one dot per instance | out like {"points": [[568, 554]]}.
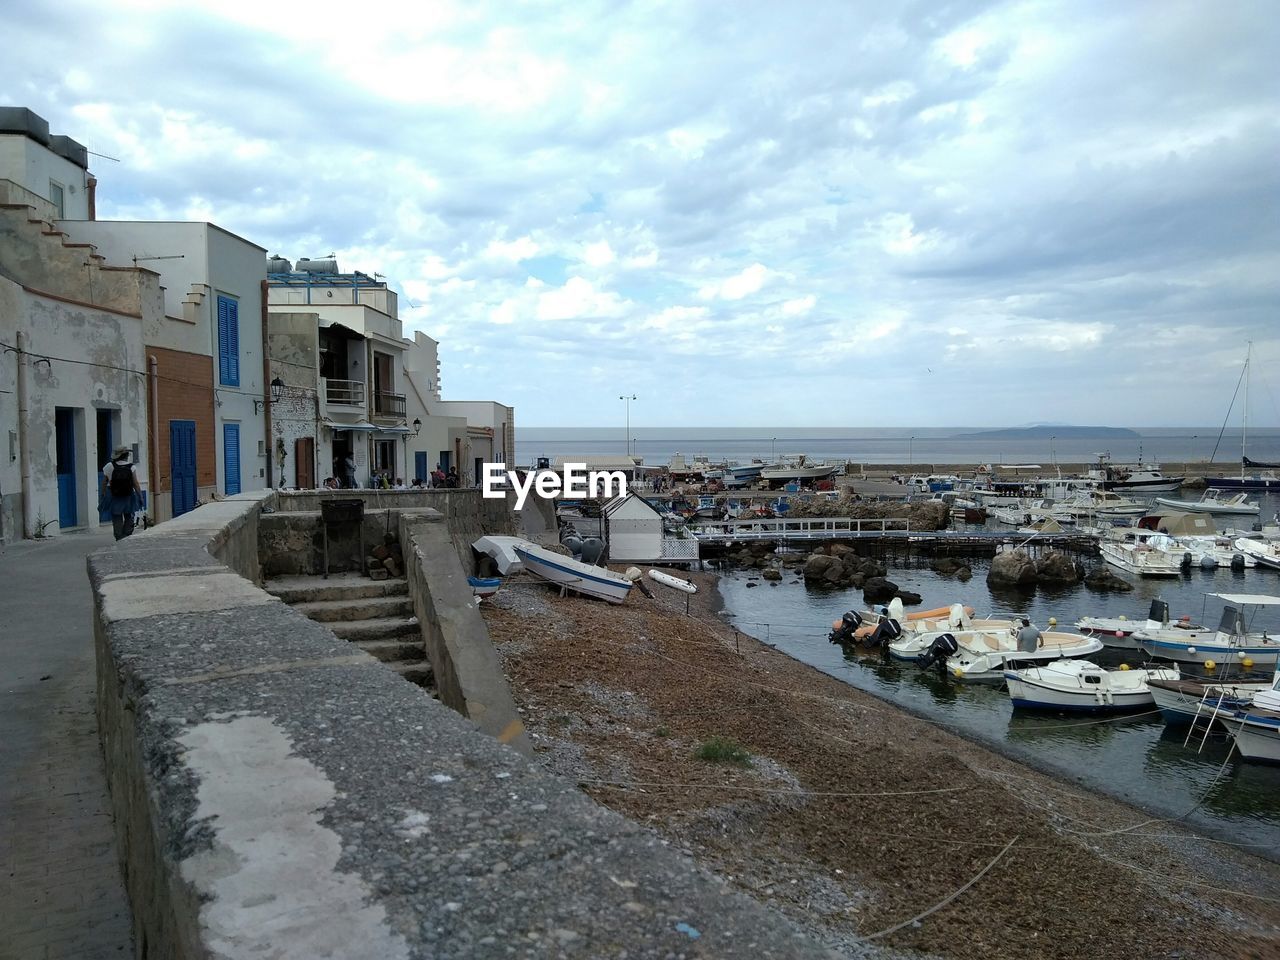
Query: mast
{"points": [[1244, 431]]}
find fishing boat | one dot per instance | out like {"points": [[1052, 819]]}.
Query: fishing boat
{"points": [[583, 578], [1214, 502], [1136, 478], [1266, 553], [1257, 729], [1188, 699], [1117, 632], [796, 469], [738, 475], [1146, 558], [1084, 686], [1230, 643], [484, 586]]}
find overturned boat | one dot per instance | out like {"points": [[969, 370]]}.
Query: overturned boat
{"points": [[583, 578]]}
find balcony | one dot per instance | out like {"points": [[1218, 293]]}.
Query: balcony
{"points": [[344, 393], [389, 405]]}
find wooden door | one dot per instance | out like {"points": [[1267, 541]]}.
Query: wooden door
{"points": [[304, 462]]}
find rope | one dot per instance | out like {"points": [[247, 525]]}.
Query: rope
{"points": [[670, 785], [942, 903]]}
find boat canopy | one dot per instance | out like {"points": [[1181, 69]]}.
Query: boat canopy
{"points": [[1260, 599]]}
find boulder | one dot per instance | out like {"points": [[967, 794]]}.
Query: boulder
{"points": [[839, 549], [817, 565], [964, 574], [946, 566], [879, 590], [1056, 567], [909, 598], [1013, 568], [834, 574], [1102, 579], [772, 574]]}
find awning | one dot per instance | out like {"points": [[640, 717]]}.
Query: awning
{"points": [[396, 430], [359, 426], [1260, 599]]}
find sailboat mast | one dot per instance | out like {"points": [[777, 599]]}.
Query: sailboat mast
{"points": [[1244, 431]]}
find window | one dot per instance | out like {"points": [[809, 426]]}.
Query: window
{"points": [[56, 198], [384, 456], [228, 341]]}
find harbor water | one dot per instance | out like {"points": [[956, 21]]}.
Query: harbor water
{"points": [[1134, 757]]}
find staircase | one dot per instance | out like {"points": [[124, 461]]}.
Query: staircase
{"points": [[374, 615]]}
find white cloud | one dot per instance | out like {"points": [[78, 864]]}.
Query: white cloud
{"points": [[799, 306], [598, 254], [738, 286], [522, 248], [578, 298]]}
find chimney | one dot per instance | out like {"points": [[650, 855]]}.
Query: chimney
{"points": [[91, 192]]}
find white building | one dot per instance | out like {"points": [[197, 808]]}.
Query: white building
{"points": [[462, 434], [336, 344], [53, 168], [634, 532], [209, 340]]}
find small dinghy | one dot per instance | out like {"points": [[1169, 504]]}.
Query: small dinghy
{"points": [[675, 583], [484, 586], [1081, 685]]}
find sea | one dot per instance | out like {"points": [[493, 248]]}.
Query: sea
{"points": [[1135, 757], [929, 448]]}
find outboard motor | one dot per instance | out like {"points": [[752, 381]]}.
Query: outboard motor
{"points": [[1186, 560], [943, 647], [842, 630], [1237, 561], [886, 631]]}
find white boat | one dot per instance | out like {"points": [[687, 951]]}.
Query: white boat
{"points": [[796, 469], [1117, 632], [738, 475], [573, 574], [1216, 502], [1081, 685], [1185, 701], [1104, 504], [985, 655], [1138, 478], [667, 580], [1142, 558], [1265, 553], [918, 634], [1230, 643], [1030, 512], [1257, 730]]}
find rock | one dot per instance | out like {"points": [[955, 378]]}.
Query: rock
{"points": [[879, 590], [752, 583], [1013, 568], [816, 566], [1056, 567], [834, 574], [839, 549], [1102, 579], [964, 574], [772, 574], [946, 566], [909, 598]]}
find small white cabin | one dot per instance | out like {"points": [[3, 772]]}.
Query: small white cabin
{"points": [[634, 532]]}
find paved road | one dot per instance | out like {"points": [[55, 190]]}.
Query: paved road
{"points": [[61, 894]]}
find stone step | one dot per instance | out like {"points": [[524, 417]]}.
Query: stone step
{"points": [[339, 586], [381, 628], [395, 650], [362, 608], [419, 673]]}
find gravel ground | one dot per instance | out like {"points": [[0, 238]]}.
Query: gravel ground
{"points": [[852, 816]]}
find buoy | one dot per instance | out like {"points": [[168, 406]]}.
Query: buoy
{"points": [[1119, 633], [958, 672], [667, 580], [1124, 666], [633, 574], [1247, 663], [1191, 649], [1239, 654], [1053, 621], [1210, 665], [1123, 617]]}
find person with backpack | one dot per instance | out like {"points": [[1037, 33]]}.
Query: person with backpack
{"points": [[123, 495]]}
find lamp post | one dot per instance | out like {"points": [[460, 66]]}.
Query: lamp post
{"points": [[627, 437], [911, 451], [773, 447], [1053, 451]]}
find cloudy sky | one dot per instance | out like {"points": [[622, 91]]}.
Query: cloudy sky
{"points": [[746, 214]]}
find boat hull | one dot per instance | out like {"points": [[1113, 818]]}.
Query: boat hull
{"points": [[1257, 735], [1201, 651], [1149, 563], [1244, 483], [573, 575], [1029, 694], [1181, 702]]}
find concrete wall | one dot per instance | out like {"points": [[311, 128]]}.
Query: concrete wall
{"points": [[34, 166], [293, 352], [278, 793]]}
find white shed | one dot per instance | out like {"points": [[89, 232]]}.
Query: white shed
{"points": [[633, 530]]}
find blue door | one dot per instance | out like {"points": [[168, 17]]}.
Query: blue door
{"points": [[182, 465], [65, 443], [231, 458], [420, 466]]}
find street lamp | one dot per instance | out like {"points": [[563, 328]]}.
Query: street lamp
{"points": [[627, 436], [773, 444], [911, 450], [1053, 450]]}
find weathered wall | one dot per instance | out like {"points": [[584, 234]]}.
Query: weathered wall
{"points": [[468, 674], [292, 349], [185, 389], [278, 793]]}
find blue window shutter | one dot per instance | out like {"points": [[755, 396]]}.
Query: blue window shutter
{"points": [[231, 458], [228, 342]]}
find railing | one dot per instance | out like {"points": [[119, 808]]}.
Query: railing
{"points": [[347, 393], [817, 528], [389, 404], [675, 549]]}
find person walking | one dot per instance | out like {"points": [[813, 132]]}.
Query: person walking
{"points": [[123, 493]]}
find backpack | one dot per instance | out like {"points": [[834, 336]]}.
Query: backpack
{"points": [[121, 482]]}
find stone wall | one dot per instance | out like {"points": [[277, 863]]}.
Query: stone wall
{"points": [[278, 793]]}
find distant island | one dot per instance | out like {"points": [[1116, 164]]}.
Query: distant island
{"points": [[1061, 432]]}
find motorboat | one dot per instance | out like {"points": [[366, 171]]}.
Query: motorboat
{"points": [[1266, 553], [797, 469], [983, 656], [1266, 480], [1196, 536], [1257, 729], [482, 587], [583, 578], [1189, 699], [1081, 685], [1117, 632], [1029, 512], [920, 629], [1136, 478], [738, 475], [1146, 558], [1231, 643], [1216, 502], [1103, 504]]}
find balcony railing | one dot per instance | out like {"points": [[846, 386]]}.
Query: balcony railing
{"points": [[347, 393], [389, 404]]}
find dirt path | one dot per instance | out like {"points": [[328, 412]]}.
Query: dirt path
{"points": [[852, 816]]}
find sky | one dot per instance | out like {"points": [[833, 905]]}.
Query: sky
{"points": [[846, 214]]}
